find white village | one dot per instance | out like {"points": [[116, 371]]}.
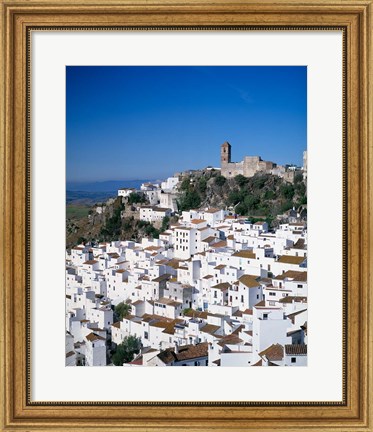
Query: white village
{"points": [[215, 289]]}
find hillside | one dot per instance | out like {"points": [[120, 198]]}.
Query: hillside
{"points": [[263, 196]]}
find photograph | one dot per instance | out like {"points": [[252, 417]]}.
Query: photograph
{"points": [[176, 177], [186, 216]]}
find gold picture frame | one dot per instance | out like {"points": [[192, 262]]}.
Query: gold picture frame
{"points": [[18, 412]]}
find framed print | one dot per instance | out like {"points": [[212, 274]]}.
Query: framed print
{"points": [[186, 184]]}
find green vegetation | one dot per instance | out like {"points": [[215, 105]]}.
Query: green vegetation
{"points": [[122, 310], [241, 180], [126, 351], [76, 212], [220, 180], [202, 185], [298, 178], [189, 199], [148, 229], [287, 191], [261, 197], [136, 198], [264, 196], [191, 193], [165, 223], [185, 184], [112, 228]]}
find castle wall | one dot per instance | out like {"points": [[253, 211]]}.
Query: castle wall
{"points": [[266, 165], [250, 165], [253, 164], [232, 169]]}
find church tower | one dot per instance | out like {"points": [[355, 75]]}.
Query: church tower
{"points": [[225, 153]]}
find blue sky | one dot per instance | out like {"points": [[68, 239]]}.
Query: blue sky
{"points": [[147, 122]]}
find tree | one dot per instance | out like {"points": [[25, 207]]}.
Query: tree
{"points": [[252, 202], [185, 184], [234, 197], [241, 180], [113, 224], [122, 310], [126, 350], [285, 206], [241, 209], [165, 223], [82, 240], [135, 198], [287, 191], [189, 200], [220, 180], [127, 223], [259, 181], [269, 195], [151, 231], [202, 185], [298, 178]]}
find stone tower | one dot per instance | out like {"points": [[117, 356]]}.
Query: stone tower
{"points": [[225, 153]]}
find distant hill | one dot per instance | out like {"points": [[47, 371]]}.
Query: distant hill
{"points": [[87, 198], [90, 193], [105, 186]]}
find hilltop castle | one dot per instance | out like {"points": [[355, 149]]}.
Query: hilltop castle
{"points": [[251, 165], [248, 167]]}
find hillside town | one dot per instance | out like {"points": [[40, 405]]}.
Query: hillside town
{"points": [[215, 289]]}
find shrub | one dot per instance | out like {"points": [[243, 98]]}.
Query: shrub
{"points": [[220, 180], [287, 191], [241, 180], [136, 198], [126, 351]]}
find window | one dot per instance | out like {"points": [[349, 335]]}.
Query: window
{"points": [[265, 316], [146, 335], [293, 360], [272, 294], [299, 286]]}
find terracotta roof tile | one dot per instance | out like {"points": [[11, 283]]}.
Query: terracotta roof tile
{"points": [[273, 353], [249, 281], [245, 254], [93, 337], [290, 259], [185, 352], [296, 349]]}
